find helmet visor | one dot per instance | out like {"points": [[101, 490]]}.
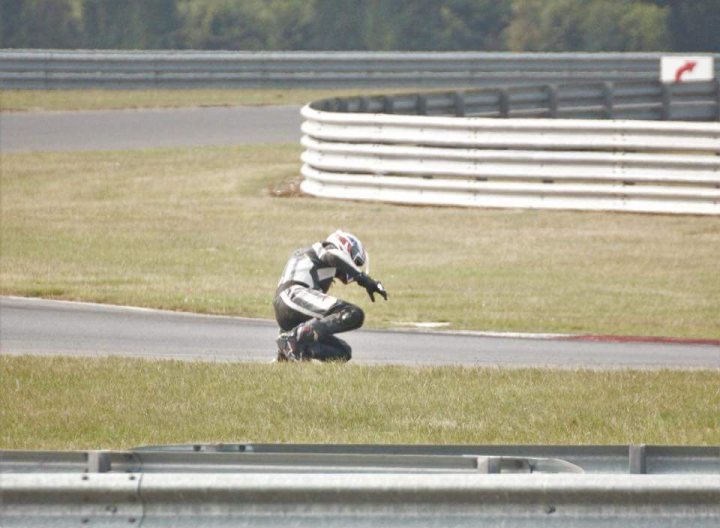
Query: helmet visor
{"points": [[358, 255]]}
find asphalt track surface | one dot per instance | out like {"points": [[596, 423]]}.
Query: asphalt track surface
{"points": [[135, 129], [42, 327]]}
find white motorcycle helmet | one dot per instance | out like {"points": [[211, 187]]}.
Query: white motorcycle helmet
{"points": [[352, 248]]}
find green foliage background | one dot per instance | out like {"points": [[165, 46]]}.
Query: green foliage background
{"points": [[373, 25]]}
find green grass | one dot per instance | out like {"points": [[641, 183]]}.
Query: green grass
{"points": [[80, 403], [200, 230], [48, 100]]}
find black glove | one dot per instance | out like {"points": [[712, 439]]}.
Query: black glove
{"points": [[372, 287]]}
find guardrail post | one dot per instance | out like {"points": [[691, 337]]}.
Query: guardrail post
{"points": [[609, 100], [489, 465], [421, 105], [46, 70], [666, 110], [98, 461], [504, 103], [459, 104], [637, 460], [552, 94], [340, 104], [388, 105]]}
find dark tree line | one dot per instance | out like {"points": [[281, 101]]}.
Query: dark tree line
{"points": [[375, 25]]}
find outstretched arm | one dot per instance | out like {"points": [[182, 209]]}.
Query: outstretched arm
{"points": [[337, 259], [372, 286]]}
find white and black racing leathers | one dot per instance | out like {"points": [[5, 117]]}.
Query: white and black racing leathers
{"points": [[301, 299]]}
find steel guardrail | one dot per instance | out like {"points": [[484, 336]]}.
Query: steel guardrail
{"points": [[620, 459], [646, 100], [516, 147], [282, 499], [204, 69], [363, 485]]}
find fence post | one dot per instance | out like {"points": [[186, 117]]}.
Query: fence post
{"points": [[666, 111], [156, 73], [609, 99], [98, 461], [421, 104], [552, 93], [46, 70], [504, 102], [388, 104], [459, 104]]}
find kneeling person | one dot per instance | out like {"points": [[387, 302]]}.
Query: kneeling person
{"points": [[307, 315]]}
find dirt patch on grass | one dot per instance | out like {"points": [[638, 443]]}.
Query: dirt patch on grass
{"points": [[287, 188]]}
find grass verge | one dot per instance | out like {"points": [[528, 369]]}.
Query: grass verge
{"points": [[201, 230], [70, 100], [80, 403]]}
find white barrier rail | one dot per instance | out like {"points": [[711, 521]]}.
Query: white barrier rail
{"points": [[615, 165], [281, 499]]}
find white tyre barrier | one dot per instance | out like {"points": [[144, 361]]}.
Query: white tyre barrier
{"points": [[638, 166]]}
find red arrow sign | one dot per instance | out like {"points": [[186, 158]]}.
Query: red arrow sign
{"points": [[689, 66]]}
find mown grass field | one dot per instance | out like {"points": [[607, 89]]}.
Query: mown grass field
{"points": [[71, 100], [203, 230], [200, 230], [80, 403]]}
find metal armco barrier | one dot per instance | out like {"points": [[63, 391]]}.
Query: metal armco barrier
{"points": [[404, 149], [286, 499], [363, 485], [620, 459], [185, 69], [607, 100]]}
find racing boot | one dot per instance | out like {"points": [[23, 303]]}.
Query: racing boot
{"points": [[292, 345]]}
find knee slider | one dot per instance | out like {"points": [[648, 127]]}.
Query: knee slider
{"points": [[352, 316], [347, 317]]}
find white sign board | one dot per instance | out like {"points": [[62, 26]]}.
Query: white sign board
{"points": [[678, 68]]}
